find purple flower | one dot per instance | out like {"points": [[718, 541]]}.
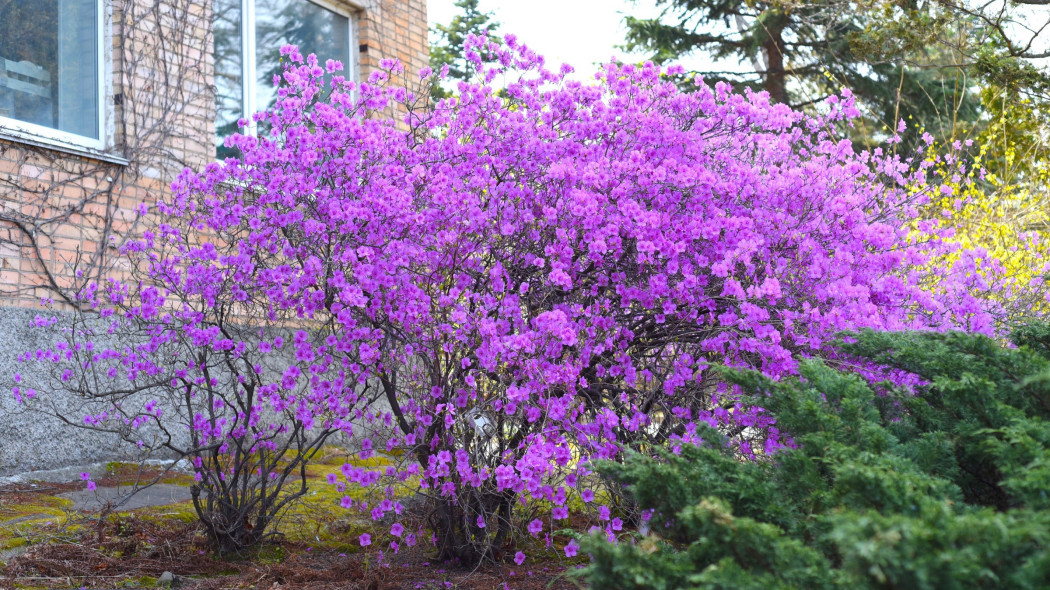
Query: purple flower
{"points": [[535, 527], [519, 558], [365, 539]]}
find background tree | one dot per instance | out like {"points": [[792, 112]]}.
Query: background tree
{"points": [[964, 76], [913, 59], [447, 46]]}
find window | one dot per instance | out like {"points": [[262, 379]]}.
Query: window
{"points": [[51, 70], [248, 38]]}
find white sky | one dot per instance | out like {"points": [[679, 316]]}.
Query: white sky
{"points": [[581, 33]]}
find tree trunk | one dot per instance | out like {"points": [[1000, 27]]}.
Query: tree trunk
{"points": [[773, 50], [459, 539]]}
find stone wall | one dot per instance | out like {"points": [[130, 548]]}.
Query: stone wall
{"points": [[29, 439]]}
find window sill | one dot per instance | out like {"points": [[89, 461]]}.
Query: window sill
{"points": [[66, 148]]}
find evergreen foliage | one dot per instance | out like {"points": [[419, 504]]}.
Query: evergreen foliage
{"points": [[940, 485], [447, 48]]}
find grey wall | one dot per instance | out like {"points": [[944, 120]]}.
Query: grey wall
{"points": [[32, 440]]}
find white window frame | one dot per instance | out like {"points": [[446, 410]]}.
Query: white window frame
{"points": [[16, 130], [248, 53]]}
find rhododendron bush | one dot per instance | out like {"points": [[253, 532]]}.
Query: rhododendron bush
{"points": [[497, 289], [184, 359]]}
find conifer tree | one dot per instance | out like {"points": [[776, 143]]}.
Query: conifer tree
{"points": [[447, 48], [917, 59]]}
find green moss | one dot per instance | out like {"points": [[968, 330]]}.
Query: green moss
{"points": [[176, 479], [140, 582], [336, 461], [24, 522], [317, 519], [13, 542], [336, 458], [114, 467], [182, 512], [270, 553], [41, 504], [373, 461], [129, 472]]}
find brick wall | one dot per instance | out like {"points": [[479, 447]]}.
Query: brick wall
{"points": [[58, 207], [394, 29], [64, 205]]}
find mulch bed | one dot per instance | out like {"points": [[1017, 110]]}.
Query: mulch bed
{"points": [[119, 552], [150, 550]]}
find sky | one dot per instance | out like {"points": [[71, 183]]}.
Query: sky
{"points": [[580, 33]]}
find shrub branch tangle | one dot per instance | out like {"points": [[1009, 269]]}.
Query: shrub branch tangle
{"points": [[171, 372]]}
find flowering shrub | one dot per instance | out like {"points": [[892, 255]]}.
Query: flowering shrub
{"points": [[499, 289], [1002, 211], [183, 358]]}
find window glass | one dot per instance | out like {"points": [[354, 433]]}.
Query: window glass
{"points": [[229, 71], [312, 28], [49, 64], [307, 25]]}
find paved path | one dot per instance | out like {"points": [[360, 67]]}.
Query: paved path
{"points": [[160, 494], [156, 495]]}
